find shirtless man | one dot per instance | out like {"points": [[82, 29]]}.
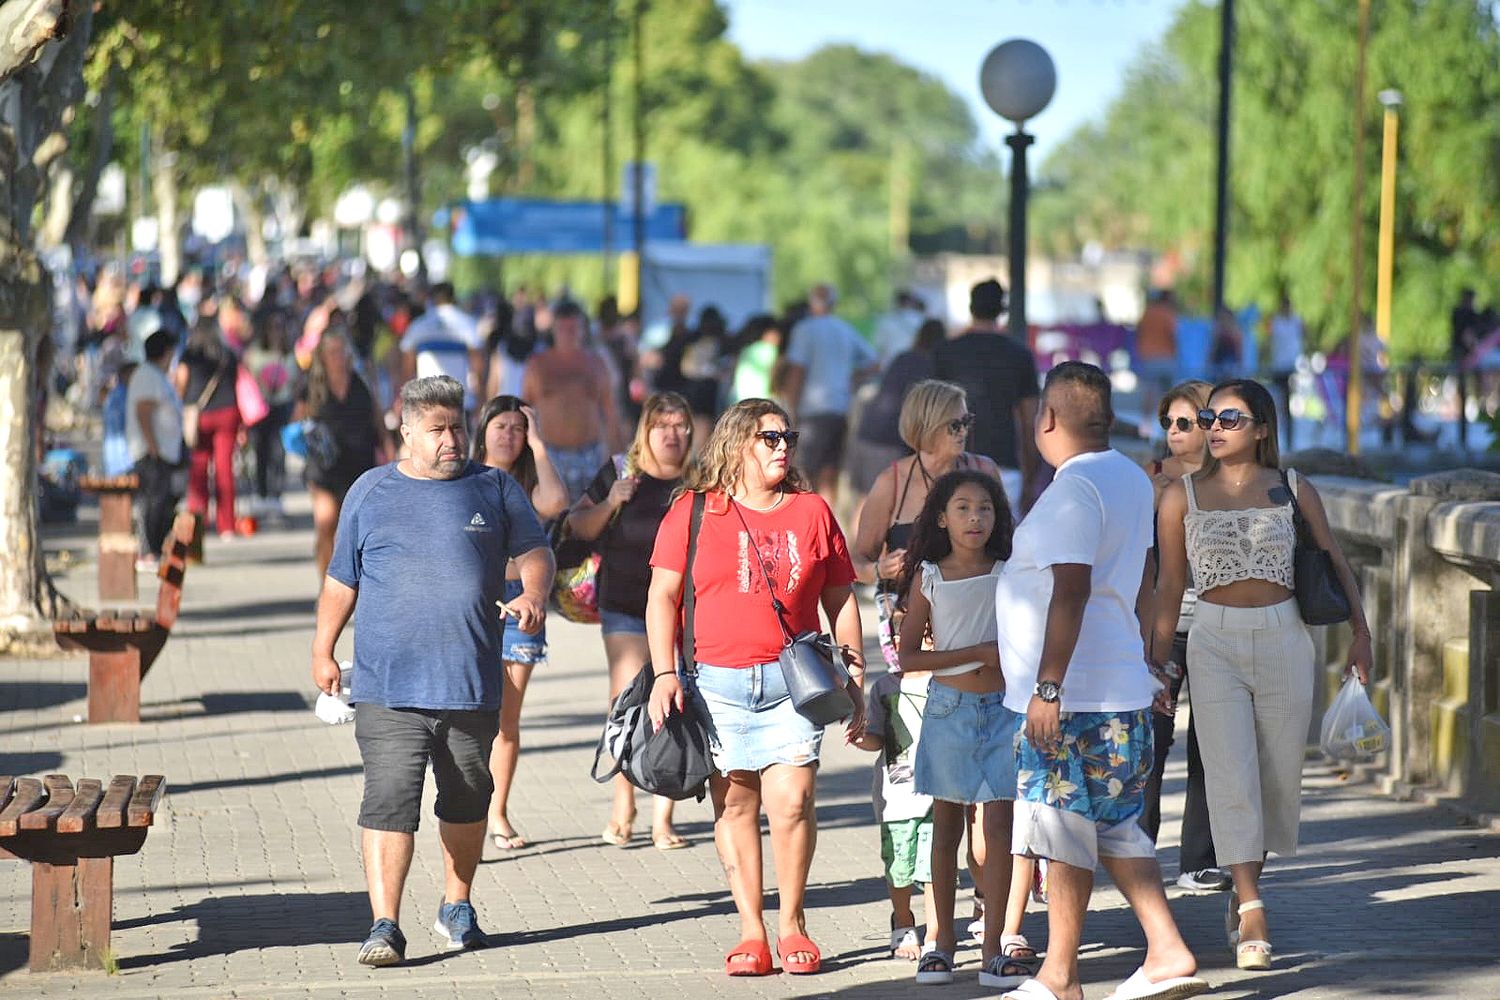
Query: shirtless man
{"points": [[573, 393]]}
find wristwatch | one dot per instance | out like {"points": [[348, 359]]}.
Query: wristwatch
{"points": [[1048, 691]]}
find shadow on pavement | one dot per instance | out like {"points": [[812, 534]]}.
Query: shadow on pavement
{"points": [[265, 779], [231, 924], [15, 951], [301, 608], [44, 762], [17, 696]]}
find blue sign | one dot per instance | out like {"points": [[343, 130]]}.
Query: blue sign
{"points": [[501, 226]]}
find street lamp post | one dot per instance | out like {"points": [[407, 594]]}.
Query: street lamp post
{"points": [[1018, 80]]}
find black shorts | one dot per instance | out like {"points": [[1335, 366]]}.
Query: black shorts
{"points": [[822, 443], [397, 744]]}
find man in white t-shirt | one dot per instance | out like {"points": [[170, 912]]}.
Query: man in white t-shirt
{"points": [[1075, 666], [153, 433], [445, 341]]}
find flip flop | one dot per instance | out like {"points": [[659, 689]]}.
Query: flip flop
{"points": [[669, 842], [512, 841], [1031, 989], [759, 953], [1138, 987], [791, 945], [614, 837]]}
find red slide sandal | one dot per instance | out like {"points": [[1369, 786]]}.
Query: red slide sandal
{"points": [[799, 943], [759, 954]]}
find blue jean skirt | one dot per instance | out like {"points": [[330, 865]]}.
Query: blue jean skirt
{"points": [[516, 646], [966, 751], [752, 722]]}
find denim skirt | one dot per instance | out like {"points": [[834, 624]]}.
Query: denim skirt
{"points": [[752, 722], [966, 752], [516, 646]]}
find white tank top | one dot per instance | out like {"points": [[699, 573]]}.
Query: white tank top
{"points": [[963, 612], [1226, 546]]}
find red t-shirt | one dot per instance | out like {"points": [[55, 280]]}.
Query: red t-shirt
{"points": [[804, 552]]}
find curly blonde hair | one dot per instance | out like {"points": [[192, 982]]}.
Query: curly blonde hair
{"points": [[717, 467]]}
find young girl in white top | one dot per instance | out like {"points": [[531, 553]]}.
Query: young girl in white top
{"points": [[966, 755]]}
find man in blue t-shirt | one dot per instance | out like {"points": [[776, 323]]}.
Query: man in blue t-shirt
{"points": [[419, 560]]}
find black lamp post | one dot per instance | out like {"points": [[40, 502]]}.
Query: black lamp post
{"points": [[1018, 80]]}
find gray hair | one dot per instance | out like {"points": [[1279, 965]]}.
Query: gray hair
{"points": [[423, 394]]}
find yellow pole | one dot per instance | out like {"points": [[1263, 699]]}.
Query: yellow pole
{"points": [[1386, 254], [1353, 399]]}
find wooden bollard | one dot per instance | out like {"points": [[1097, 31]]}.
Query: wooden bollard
{"points": [[117, 541]]}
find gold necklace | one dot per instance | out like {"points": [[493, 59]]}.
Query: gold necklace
{"points": [[759, 510]]}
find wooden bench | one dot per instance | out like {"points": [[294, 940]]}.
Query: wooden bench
{"points": [[117, 545], [72, 835], [122, 645]]}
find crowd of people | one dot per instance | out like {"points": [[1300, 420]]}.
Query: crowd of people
{"points": [[1041, 601]]}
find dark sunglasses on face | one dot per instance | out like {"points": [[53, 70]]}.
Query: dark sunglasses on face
{"points": [[960, 424], [1183, 424], [1228, 418], [773, 439]]}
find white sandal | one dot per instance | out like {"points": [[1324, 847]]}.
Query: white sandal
{"points": [[902, 937], [1252, 955]]}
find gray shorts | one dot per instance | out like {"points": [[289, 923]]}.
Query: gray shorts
{"points": [[822, 444], [397, 744]]}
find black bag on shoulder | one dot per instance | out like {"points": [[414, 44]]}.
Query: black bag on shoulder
{"points": [[1320, 595], [674, 761]]}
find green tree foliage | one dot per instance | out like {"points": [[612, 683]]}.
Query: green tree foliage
{"points": [[1142, 176]]}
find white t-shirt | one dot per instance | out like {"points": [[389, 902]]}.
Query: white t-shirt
{"points": [[1097, 512], [148, 382], [896, 703], [442, 338]]}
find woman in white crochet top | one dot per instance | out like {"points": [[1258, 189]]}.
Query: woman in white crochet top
{"points": [[1252, 656]]}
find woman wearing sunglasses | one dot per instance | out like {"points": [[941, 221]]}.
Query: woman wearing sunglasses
{"points": [[760, 523], [1187, 450], [1252, 657]]}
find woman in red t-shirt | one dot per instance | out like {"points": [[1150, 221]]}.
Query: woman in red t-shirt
{"points": [[758, 510]]}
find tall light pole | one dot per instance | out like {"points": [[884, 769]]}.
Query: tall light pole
{"points": [[1354, 395], [1018, 80], [1221, 179], [1385, 261]]}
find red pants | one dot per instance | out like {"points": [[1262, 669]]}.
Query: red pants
{"points": [[216, 434]]}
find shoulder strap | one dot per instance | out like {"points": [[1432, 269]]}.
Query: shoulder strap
{"points": [[1192, 498], [213, 383], [690, 599], [905, 488], [1299, 523]]}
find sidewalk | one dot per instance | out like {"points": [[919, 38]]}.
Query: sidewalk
{"points": [[250, 885]]}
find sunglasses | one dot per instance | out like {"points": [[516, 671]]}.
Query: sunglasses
{"points": [[1183, 424], [1228, 418], [960, 424], [773, 439]]}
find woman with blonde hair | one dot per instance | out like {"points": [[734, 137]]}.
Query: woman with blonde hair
{"points": [[769, 556], [1234, 524], [1187, 450], [507, 437], [621, 511]]}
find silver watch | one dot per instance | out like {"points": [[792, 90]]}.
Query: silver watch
{"points": [[1048, 691]]}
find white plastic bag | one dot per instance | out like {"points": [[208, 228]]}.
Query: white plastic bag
{"points": [[335, 709], [1351, 726]]}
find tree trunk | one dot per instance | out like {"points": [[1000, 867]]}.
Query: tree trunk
{"points": [[247, 207], [35, 95], [164, 193], [78, 230]]}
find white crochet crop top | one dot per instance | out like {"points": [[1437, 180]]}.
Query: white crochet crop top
{"points": [[1226, 546]]}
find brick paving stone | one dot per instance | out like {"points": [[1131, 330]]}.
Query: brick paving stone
{"points": [[251, 885]]}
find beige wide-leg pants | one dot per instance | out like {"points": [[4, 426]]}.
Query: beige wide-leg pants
{"points": [[1252, 684]]}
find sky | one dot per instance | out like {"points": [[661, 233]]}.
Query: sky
{"points": [[1091, 43]]}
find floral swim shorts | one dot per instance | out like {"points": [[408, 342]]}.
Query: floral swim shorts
{"points": [[1098, 771]]}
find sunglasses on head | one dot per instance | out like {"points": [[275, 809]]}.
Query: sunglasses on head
{"points": [[773, 439], [1183, 424], [1229, 418], [960, 424]]}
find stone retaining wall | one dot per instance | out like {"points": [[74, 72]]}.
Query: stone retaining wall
{"points": [[1428, 560]]}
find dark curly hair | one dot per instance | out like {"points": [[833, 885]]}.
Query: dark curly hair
{"points": [[931, 543]]}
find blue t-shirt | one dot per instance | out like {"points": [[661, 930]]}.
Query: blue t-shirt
{"points": [[428, 559], [832, 351]]}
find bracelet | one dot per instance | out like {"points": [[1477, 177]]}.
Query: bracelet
{"points": [[666, 673]]}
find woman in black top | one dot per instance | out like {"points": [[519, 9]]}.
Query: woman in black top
{"points": [[345, 438], [205, 378], [622, 509]]}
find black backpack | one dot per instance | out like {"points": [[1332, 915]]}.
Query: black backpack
{"points": [[674, 761]]}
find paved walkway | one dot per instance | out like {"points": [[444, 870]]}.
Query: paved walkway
{"points": [[250, 885]]}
